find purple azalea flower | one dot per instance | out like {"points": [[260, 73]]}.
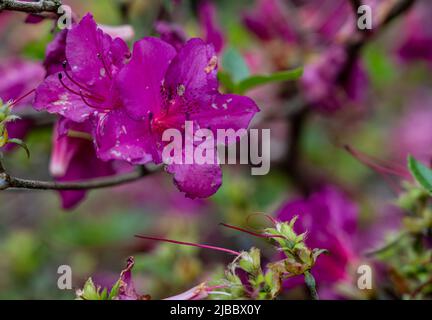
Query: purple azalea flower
{"points": [[86, 84], [270, 20], [417, 39], [18, 77], [74, 159], [320, 82], [55, 54], [330, 220], [208, 20], [174, 87]]}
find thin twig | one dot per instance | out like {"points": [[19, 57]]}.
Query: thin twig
{"points": [[10, 182], [30, 7]]}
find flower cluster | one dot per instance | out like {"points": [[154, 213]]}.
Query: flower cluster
{"points": [[124, 102]]}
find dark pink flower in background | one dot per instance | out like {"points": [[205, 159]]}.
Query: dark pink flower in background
{"points": [[330, 219], [417, 34], [161, 89], [85, 86], [172, 33], [176, 36], [19, 77], [327, 19], [413, 132], [208, 19], [270, 20], [74, 159], [323, 87]]}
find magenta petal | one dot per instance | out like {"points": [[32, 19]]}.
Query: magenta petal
{"points": [[192, 75], [119, 137], [127, 288], [140, 81], [93, 56], [55, 53], [74, 159], [226, 111], [53, 97], [196, 181]]}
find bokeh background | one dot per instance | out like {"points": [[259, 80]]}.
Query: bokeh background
{"points": [[392, 118]]}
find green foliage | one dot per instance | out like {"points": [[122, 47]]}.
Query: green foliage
{"points": [[6, 117], [379, 67], [421, 173], [236, 77], [93, 292], [260, 80]]}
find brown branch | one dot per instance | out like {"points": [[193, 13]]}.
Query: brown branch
{"points": [[293, 162], [30, 7], [9, 182]]}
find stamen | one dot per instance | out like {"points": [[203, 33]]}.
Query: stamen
{"points": [[60, 76], [21, 98], [190, 244], [90, 94], [80, 93], [260, 235], [83, 98]]}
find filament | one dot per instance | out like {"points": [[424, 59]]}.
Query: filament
{"points": [[260, 235], [190, 244], [21, 98]]}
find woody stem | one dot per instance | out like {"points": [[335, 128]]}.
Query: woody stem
{"points": [[10, 182], [31, 7]]}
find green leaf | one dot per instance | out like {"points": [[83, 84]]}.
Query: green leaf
{"points": [[226, 80], [104, 294], [259, 80], [234, 64], [115, 290], [421, 173], [311, 284], [90, 292]]}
